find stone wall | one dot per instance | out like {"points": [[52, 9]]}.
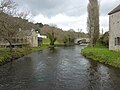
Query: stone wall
{"points": [[114, 28], [33, 39]]}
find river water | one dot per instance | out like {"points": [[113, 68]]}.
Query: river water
{"points": [[59, 69]]}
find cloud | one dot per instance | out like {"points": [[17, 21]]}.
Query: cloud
{"points": [[54, 7], [63, 21], [67, 13], [106, 6], [104, 23]]}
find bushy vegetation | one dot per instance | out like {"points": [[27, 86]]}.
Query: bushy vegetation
{"points": [[105, 39], [102, 54], [65, 40], [52, 38], [8, 56], [60, 34], [4, 54]]}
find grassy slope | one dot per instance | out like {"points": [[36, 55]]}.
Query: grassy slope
{"points": [[102, 54]]}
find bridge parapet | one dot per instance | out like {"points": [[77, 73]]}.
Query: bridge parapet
{"points": [[82, 40]]}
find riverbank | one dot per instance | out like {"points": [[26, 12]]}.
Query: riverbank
{"points": [[102, 54], [7, 56]]}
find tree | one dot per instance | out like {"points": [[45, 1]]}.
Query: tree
{"points": [[8, 28], [71, 36], [79, 32], [93, 21], [52, 39], [105, 39], [24, 13], [65, 40], [40, 25], [9, 24], [8, 7], [53, 25]]}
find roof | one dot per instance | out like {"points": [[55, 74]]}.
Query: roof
{"points": [[117, 9], [25, 32]]}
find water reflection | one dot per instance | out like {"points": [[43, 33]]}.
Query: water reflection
{"points": [[58, 69]]}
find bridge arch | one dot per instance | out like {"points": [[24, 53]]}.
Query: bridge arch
{"points": [[82, 40]]}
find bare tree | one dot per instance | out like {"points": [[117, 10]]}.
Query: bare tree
{"points": [[9, 25], [24, 13], [93, 21], [8, 28], [8, 7]]}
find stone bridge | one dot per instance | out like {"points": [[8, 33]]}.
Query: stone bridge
{"points": [[82, 40]]}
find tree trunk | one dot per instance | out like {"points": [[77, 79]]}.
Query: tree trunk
{"points": [[10, 44], [93, 21]]}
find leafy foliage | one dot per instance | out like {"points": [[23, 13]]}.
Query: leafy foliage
{"points": [[60, 34], [65, 40], [105, 39], [52, 38], [93, 21], [7, 56]]}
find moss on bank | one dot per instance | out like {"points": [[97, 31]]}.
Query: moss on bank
{"points": [[7, 56], [102, 54]]}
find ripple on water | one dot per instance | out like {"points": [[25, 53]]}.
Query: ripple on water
{"points": [[62, 69]]}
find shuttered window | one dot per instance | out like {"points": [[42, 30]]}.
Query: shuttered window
{"points": [[117, 41]]}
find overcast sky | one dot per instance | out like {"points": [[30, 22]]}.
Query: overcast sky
{"points": [[67, 14]]}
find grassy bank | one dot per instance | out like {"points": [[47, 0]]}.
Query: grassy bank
{"points": [[102, 54], [7, 56], [47, 41], [44, 46]]}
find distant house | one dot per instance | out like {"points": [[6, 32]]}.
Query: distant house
{"points": [[114, 29], [30, 36], [42, 36], [23, 37], [40, 39]]}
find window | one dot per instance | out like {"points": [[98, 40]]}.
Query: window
{"points": [[22, 40], [14, 41], [117, 41]]}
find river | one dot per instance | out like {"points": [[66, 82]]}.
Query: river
{"points": [[59, 69]]}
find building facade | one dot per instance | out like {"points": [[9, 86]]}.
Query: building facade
{"points": [[114, 29], [23, 37]]}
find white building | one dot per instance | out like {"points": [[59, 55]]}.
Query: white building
{"points": [[42, 36]]}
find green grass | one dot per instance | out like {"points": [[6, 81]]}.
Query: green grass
{"points": [[47, 42], [6, 55], [102, 54], [39, 48], [99, 45]]}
